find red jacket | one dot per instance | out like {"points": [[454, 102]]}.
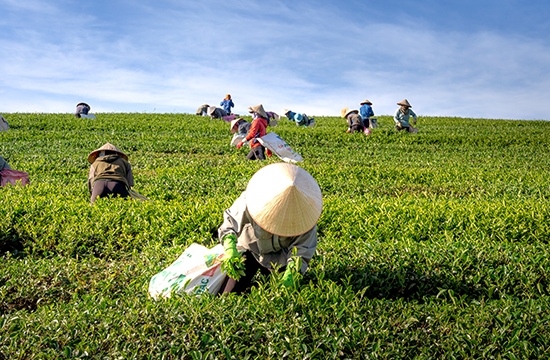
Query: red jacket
{"points": [[257, 130]]}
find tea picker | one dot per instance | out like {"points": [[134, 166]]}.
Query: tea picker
{"points": [[275, 220], [354, 120], [300, 119], [82, 110], [257, 130], [366, 113], [227, 104], [402, 116], [110, 173]]}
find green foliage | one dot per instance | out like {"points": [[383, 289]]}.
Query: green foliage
{"points": [[233, 267], [432, 245]]}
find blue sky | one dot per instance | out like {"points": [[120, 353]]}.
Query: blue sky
{"points": [[482, 59]]}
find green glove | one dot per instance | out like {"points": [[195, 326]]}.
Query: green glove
{"points": [[291, 272], [230, 246]]}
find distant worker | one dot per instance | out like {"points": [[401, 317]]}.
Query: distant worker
{"points": [[354, 120], [202, 110], [82, 109], [216, 112], [275, 221], [366, 112], [227, 104], [257, 130], [240, 126], [300, 119], [110, 173], [402, 115]]}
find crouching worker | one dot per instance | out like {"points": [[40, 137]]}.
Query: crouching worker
{"points": [[257, 130], [402, 116], [354, 120], [82, 109], [299, 118], [240, 126], [366, 113], [276, 214], [110, 173]]}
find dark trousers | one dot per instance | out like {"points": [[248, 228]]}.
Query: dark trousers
{"points": [[251, 267], [104, 188], [357, 128], [256, 153], [402, 128], [366, 122]]}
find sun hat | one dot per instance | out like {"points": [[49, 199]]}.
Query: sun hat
{"points": [[83, 103], [285, 111], [366, 102], [234, 122], [258, 109], [107, 147], [210, 110], [404, 103], [284, 199], [345, 112]]}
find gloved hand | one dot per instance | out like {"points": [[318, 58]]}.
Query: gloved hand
{"points": [[414, 121], [399, 125], [291, 272], [230, 246], [240, 144], [268, 152], [348, 130]]}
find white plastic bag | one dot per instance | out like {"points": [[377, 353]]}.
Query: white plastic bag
{"points": [[89, 116], [237, 138], [196, 271], [274, 143], [374, 123]]}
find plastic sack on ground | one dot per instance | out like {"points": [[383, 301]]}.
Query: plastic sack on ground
{"points": [[274, 143], [196, 271], [89, 116], [373, 123], [4, 126], [229, 118], [14, 177]]}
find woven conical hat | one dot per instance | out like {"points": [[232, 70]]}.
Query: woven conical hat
{"points": [[210, 110], [233, 123], [345, 112], [258, 109], [94, 154], [366, 102], [284, 199], [404, 103]]}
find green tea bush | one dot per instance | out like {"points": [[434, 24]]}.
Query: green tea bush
{"points": [[432, 245]]}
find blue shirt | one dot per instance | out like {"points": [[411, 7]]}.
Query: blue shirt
{"points": [[403, 119], [366, 111], [227, 105]]}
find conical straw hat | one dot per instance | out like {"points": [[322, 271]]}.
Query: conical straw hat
{"points": [[366, 102], [233, 123], [284, 199], [258, 109], [345, 112], [210, 110], [404, 103], [110, 147]]}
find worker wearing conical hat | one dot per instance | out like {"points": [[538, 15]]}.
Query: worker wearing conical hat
{"points": [[240, 126], [276, 214], [260, 120], [366, 112], [301, 119], [354, 120], [110, 173], [227, 103], [82, 109], [402, 116]]}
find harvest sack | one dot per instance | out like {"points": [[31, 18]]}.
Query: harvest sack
{"points": [[274, 143], [3, 124], [14, 177], [374, 123], [90, 116], [196, 271], [228, 118]]}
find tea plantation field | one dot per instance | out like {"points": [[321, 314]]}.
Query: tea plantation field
{"points": [[431, 246]]}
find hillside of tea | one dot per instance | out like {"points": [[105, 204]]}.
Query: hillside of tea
{"points": [[434, 245]]}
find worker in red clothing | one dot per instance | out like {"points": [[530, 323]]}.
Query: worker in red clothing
{"points": [[257, 130]]}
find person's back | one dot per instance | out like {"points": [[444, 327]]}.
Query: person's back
{"points": [[82, 109]]}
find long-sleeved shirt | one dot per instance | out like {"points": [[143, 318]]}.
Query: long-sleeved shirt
{"points": [[354, 119], [257, 130], [366, 111], [267, 248], [243, 127], [227, 105], [399, 118], [112, 167]]}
